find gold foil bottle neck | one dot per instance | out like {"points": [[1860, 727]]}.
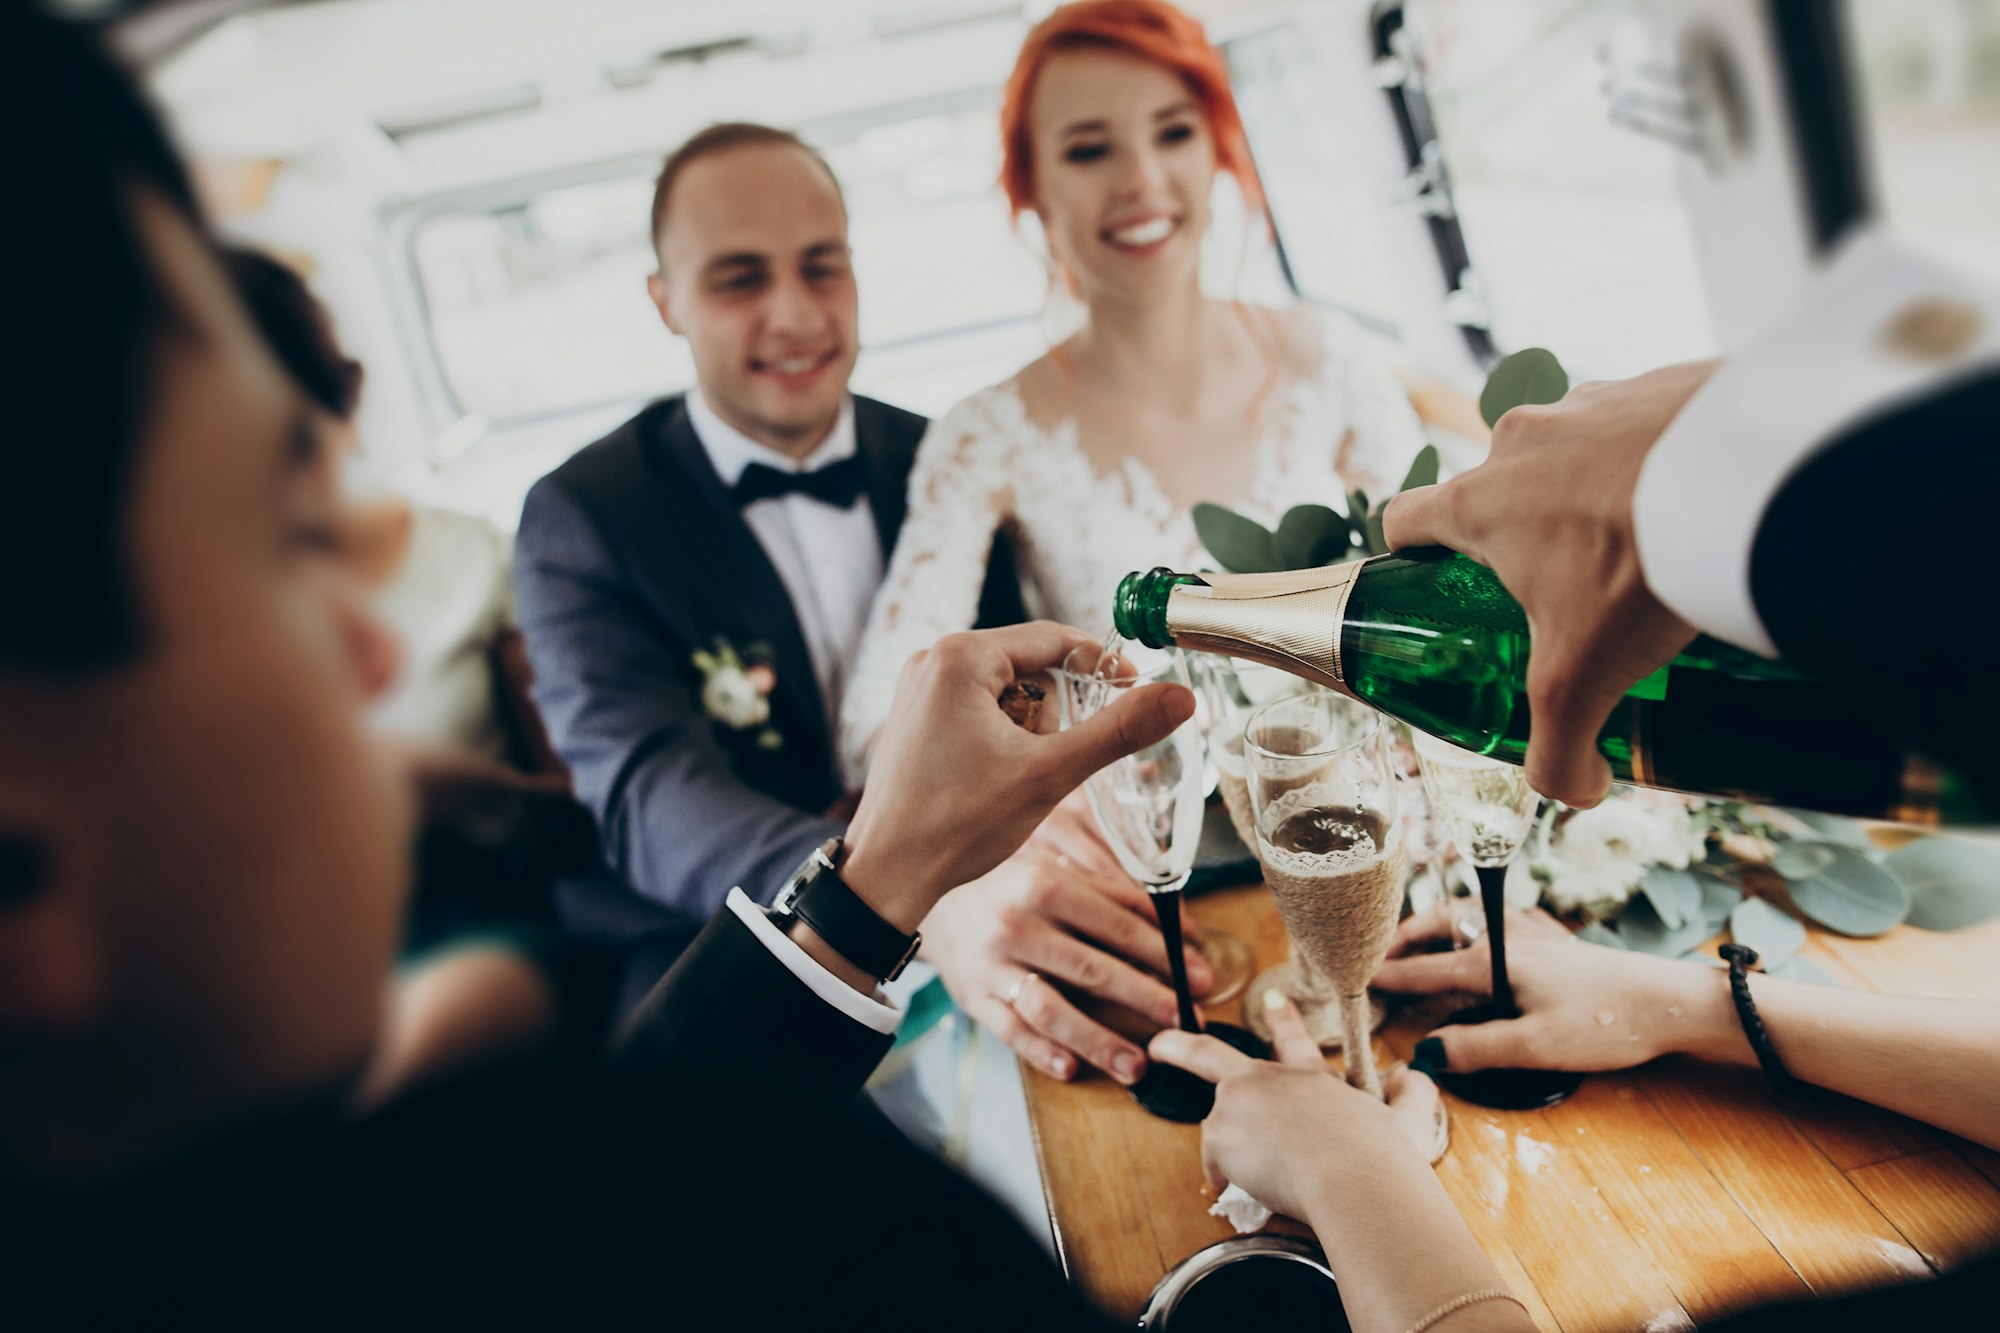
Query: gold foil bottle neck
{"points": [[1290, 620]]}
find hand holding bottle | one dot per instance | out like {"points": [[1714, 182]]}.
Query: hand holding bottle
{"points": [[1550, 511]]}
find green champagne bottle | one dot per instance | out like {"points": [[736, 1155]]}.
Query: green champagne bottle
{"points": [[1432, 638]]}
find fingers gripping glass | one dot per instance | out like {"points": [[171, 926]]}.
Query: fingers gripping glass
{"points": [[1487, 808], [1149, 806]]}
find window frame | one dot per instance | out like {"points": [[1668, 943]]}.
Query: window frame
{"points": [[1423, 155]]}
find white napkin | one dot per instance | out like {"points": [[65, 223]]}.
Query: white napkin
{"points": [[1240, 1210]]}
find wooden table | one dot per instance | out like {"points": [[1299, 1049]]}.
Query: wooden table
{"points": [[1657, 1199]]}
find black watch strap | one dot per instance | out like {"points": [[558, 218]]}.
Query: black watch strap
{"points": [[819, 897]]}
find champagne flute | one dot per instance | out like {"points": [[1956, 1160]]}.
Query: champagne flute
{"points": [[1231, 691], [1149, 806], [1488, 807], [1323, 797]]}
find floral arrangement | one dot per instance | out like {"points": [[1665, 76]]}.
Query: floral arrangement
{"points": [[1651, 870], [736, 690], [1663, 873]]}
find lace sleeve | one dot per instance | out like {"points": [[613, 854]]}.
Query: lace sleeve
{"points": [[958, 495], [1383, 433]]}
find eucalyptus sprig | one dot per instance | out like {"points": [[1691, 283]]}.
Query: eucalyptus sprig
{"points": [[1312, 535]]}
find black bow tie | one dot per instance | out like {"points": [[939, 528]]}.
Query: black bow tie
{"points": [[837, 484]]}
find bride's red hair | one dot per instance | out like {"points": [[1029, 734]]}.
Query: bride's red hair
{"points": [[1150, 29]]}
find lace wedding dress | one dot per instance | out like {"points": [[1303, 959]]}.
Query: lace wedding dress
{"points": [[985, 467]]}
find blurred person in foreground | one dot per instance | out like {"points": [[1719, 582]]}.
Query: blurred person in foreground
{"points": [[487, 974], [692, 588]]}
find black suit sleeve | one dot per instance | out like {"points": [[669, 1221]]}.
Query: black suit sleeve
{"points": [[1860, 577], [731, 1018]]}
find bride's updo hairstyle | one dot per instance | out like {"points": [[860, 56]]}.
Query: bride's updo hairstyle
{"points": [[1150, 29]]}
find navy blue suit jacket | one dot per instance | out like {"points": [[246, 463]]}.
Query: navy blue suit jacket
{"points": [[631, 557]]}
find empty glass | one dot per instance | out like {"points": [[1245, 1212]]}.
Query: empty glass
{"points": [[1149, 806]]}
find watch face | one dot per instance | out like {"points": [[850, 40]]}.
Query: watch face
{"points": [[817, 862]]}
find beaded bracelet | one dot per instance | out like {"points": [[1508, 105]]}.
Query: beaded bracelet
{"points": [[1457, 1303], [1741, 958]]}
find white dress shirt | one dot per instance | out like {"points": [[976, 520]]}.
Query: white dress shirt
{"points": [[829, 559], [1834, 360]]}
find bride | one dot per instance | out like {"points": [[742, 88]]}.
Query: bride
{"points": [[1116, 120]]}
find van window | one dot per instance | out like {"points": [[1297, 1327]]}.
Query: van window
{"points": [[536, 304], [1929, 107], [1574, 226]]}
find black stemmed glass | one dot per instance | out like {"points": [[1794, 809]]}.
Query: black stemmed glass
{"points": [[1488, 807], [1149, 806]]}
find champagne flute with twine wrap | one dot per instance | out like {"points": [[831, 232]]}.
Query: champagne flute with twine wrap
{"points": [[1323, 797]]}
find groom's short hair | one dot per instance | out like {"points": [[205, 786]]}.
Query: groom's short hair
{"points": [[720, 139]]}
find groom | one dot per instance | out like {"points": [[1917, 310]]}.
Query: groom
{"points": [[692, 586], [692, 590]]}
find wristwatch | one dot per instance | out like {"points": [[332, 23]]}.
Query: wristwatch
{"points": [[816, 895]]}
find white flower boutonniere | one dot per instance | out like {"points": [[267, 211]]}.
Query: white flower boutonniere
{"points": [[736, 689]]}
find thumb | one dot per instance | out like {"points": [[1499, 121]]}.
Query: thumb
{"points": [[1567, 707], [1420, 517], [1503, 1044], [1145, 716]]}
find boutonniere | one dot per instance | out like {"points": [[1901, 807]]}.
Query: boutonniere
{"points": [[736, 689]]}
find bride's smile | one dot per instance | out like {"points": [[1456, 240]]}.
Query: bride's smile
{"points": [[1144, 236]]}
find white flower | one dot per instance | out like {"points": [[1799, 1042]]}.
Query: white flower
{"points": [[1628, 830], [732, 699], [1595, 889]]}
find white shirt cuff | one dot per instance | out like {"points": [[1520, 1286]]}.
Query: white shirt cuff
{"points": [[871, 1012], [1713, 472]]}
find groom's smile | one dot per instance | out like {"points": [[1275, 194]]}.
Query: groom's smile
{"points": [[796, 371]]}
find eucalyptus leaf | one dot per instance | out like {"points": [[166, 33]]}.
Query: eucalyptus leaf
{"points": [[1238, 544], [1719, 896], [1641, 928], [1312, 535], [1776, 937], [1805, 969], [1531, 375], [1423, 469], [1834, 828], [1675, 895], [1803, 859], [1953, 882], [1851, 893], [1357, 508], [1376, 541], [1599, 933]]}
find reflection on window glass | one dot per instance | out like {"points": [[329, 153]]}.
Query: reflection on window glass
{"points": [[1930, 111], [541, 307], [1326, 204], [1576, 230]]}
